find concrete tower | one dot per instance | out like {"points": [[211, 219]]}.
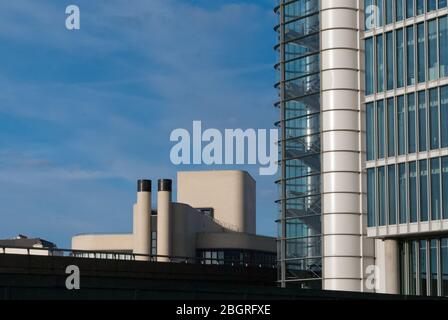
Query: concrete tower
{"points": [[142, 220], [164, 219]]}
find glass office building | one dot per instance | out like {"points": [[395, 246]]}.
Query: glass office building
{"points": [[406, 128], [320, 243], [363, 101]]}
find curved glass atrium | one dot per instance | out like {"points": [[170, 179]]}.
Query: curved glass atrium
{"points": [[300, 255]]}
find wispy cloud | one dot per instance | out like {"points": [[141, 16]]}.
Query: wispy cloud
{"points": [[90, 111]]}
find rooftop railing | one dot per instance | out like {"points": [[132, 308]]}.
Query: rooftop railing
{"points": [[129, 256]]}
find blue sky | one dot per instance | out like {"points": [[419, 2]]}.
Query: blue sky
{"points": [[84, 114]]}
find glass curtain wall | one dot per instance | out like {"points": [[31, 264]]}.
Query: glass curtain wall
{"points": [[424, 266], [407, 124], [409, 54], [299, 238], [417, 189]]}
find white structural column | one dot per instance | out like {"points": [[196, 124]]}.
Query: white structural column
{"points": [[345, 250], [387, 262], [164, 220], [142, 220]]}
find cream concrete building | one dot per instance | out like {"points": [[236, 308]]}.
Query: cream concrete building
{"points": [[214, 218]]}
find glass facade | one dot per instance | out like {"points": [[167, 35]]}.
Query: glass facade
{"points": [[418, 190], [406, 128], [424, 266], [406, 119], [408, 125], [417, 52], [443, 46], [300, 257]]}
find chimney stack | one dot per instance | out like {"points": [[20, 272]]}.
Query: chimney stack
{"points": [[164, 219], [142, 220]]}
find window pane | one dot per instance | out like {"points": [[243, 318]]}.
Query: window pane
{"points": [[389, 11], [391, 194], [400, 58], [443, 46], [381, 128], [412, 123], [423, 267], [390, 60], [423, 165], [434, 118], [413, 191], [382, 196], [433, 267], [433, 67], [301, 67], [421, 52], [402, 177], [401, 125], [420, 7], [422, 120], [390, 127], [371, 197], [442, 4], [431, 5], [445, 186], [369, 67], [379, 63], [410, 44], [370, 131], [435, 189], [379, 4], [300, 8], [444, 258], [399, 10], [409, 8], [444, 115]]}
